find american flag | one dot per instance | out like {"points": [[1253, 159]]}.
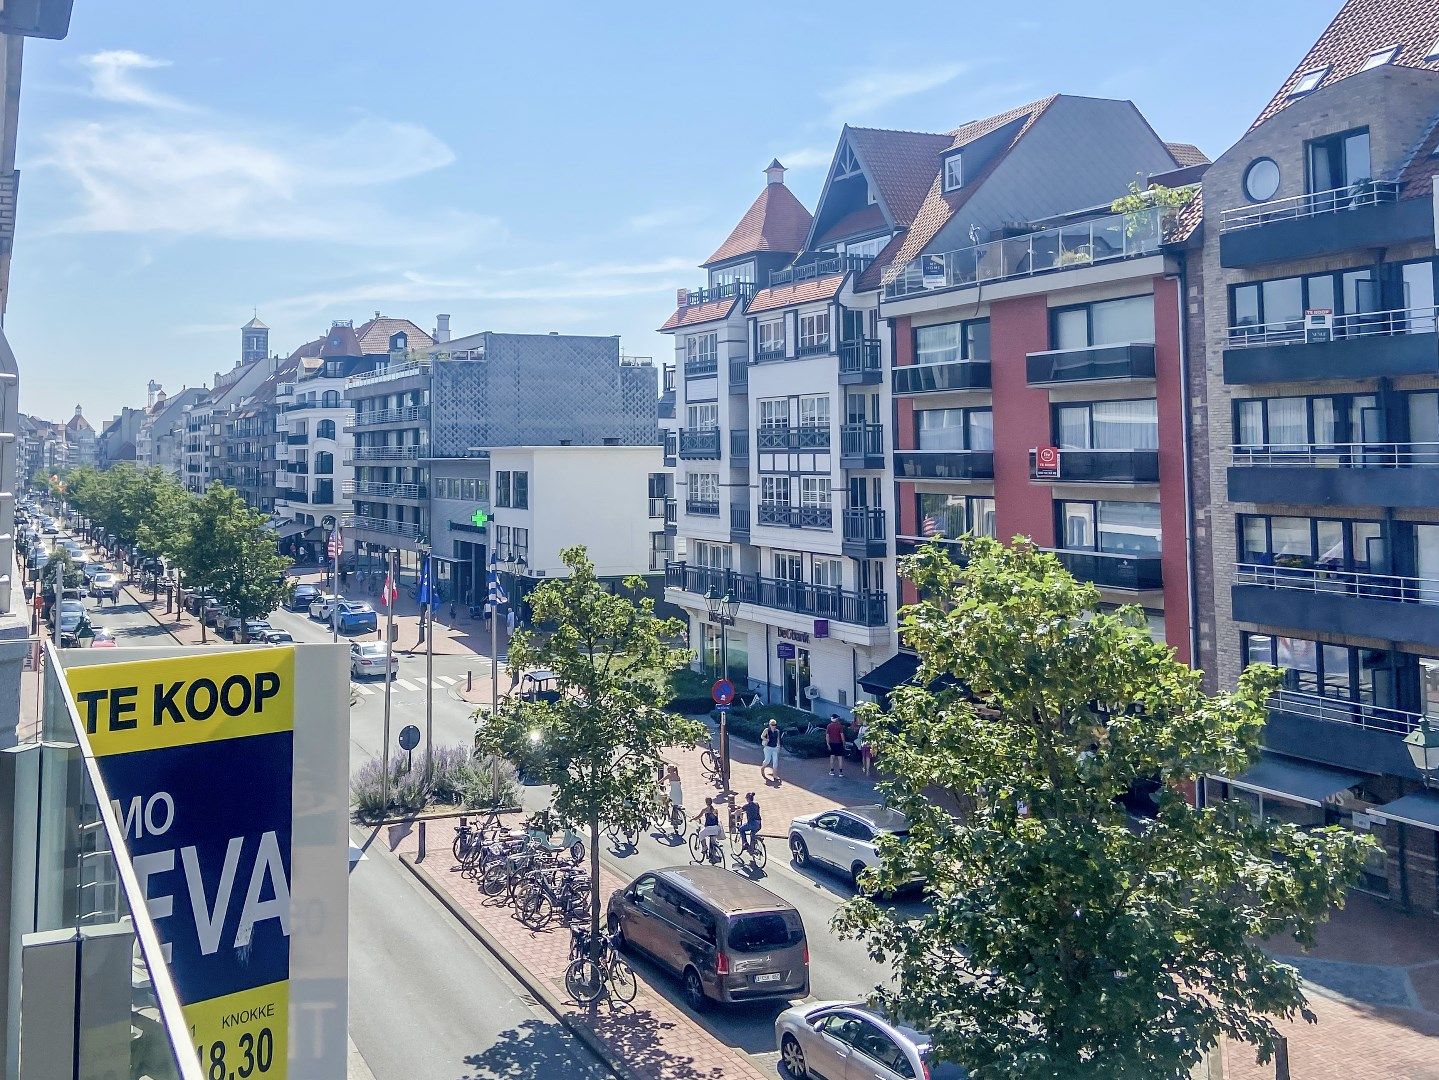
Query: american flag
{"points": [[929, 527], [389, 594], [333, 549]]}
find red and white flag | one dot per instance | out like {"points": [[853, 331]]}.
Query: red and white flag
{"points": [[389, 594], [333, 549]]}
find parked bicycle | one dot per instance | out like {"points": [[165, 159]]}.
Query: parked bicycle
{"points": [[586, 980], [545, 895], [472, 834]]}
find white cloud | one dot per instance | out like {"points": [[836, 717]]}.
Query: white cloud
{"points": [[806, 157], [113, 78], [873, 90]]}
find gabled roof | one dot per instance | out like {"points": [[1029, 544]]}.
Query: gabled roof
{"points": [[695, 314], [255, 324], [939, 206], [375, 335], [870, 219], [1361, 28], [1186, 154], [825, 288], [775, 221], [901, 165]]}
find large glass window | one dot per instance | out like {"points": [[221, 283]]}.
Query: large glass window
{"points": [[1301, 422], [814, 491], [814, 410], [1277, 306], [952, 516], [1313, 543], [771, 338], [325, 429], [1108, 425], [814, 330], [955, 429], [1115, 528], [1339, 160], [774, 412], [703, 417], [950, 343], [502, 488], [704, 487], [522, 491], [1107, 322], [1418, 288], [711, 555], [774, 490]]}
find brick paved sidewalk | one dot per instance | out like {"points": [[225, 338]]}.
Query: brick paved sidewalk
{"points": [[655, 1039]]}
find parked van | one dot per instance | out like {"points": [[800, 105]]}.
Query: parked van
{"points": [[726, 937]]}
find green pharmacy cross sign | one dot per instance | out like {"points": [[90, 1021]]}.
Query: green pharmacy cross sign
{"points": [[480, 518]]}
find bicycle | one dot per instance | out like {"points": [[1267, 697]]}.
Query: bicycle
{"points": [[542, 898], [709, 762], [622, 836], [706, 849], [752, 845], [586, 980], [469, 838]]}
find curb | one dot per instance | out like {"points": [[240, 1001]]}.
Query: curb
{"points": [[537, 989], [145, 607]]}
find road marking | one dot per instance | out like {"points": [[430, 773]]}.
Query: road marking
{"points": [[448, 680], [405, 684], [359, 688], [438, 686]]}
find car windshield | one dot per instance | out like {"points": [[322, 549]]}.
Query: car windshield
{"points": [[372, 649], [352, 609], [756, 933]]}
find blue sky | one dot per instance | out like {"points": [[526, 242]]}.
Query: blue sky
{"points": [[523, 167]]}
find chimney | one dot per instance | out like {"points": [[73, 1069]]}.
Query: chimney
{"points": [[774, 174], [442, 329]]}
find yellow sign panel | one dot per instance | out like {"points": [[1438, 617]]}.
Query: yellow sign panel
{"points": [[244, 1034]]}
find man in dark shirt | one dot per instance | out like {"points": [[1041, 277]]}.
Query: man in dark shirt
{"points": [[749, 811], [834, 736]]}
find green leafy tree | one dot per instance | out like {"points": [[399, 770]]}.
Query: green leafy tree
{"points": [[230, 552], [599, 743], [61, 565], [1064, 939]]}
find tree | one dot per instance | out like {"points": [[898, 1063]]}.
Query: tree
{"points": [[1065, 939], [230, 552], [601, 738]]}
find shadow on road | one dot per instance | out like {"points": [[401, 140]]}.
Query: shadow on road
{"points": [[533, 1049], [747, 1026]]}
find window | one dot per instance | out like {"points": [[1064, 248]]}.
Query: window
{"points": [[1261, 179], [1108, 425], [713, 556], [814, 410], [1417, 283], [771, 338], [1339, 160], [788, 566], [953, 172], [1308, 82], [827, 572], [1299, 423], [1109, 322], [1380, 57], [774, 490], [730, 274], [1275, 308], [704, 487], [955, 429], [1332, 671], [325, 429], [1312, 543], [952, 516], [330, 399], [701, 349], [814, 491], [502, 488], [324, 463], [866, 248], [1115, 528], [814, 332], [950, 343], [703, 417], [521, 491], [774, 412]]}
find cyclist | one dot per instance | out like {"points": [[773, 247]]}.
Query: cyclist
{"points": [[676, 787], [749, 827], [708, 817]]}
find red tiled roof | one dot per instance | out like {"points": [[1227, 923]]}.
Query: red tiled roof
{"points": [[1188, 220], [902, 164], [1361, 28], [869, 219], [939, 206], [775, 221], [699, 313], [375, 335], [1186, 154], [825, 288]]}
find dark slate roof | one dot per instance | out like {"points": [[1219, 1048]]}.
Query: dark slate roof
{"points": [[1361, 28], [255, 324], [775, 221], [695, 314], [341, 341], [825, 288]]}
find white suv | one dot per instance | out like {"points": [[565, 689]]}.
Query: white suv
{"points": [[844, 839]]}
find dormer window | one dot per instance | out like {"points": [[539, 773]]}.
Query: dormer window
{"points": [[954, 172], [1309, 82], [1433, 53], [1380, 57]]}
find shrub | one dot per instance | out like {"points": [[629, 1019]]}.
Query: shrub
{"points": [[689, 692], [407, 790], [807, 746], [493, 782]]}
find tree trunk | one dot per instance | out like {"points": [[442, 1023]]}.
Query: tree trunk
{"points": [[594, 888]]}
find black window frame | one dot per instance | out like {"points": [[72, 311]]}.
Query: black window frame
{"points": [[1088, 406], [1088, 308], [502, 488], [1335, 137], [967, 412], [1349, 563], [520, 490], [1062, 542], [969, 333], [1341, 415], [969, 502], [1385, 274]]}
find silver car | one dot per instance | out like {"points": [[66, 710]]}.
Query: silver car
{"points": [[845, 839], [838, 1040]]}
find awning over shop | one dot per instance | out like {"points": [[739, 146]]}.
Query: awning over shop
{"points": [[1421, 809], [1286, 778], [898, 670], [287, 529]]}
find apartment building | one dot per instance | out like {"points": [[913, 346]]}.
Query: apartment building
{"points": [[160, 442], [1317, 449], [205, 434], [1037, 346]]}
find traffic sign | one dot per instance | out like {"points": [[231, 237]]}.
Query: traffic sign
{"points": [[722, 692], [409, 737]]}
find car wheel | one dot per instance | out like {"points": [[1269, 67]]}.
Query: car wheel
{"points": [[798, 850], [694, 990], [792, 1054], [854, 875]]}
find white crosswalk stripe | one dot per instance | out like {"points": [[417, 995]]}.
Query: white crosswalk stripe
{"points": [[438, 686], [448, 680], [362, 689], [406, 684]]}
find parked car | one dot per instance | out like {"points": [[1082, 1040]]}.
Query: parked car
{"points": [[303, 596], [275, 637], [90, 569], [253, 629], [726, 937], [103, 639], [844, 839], [357, 618], [320, 606], [369, 659], [838, 1039], [72, 617], [105, 584], [195, 601], [212, 611]]}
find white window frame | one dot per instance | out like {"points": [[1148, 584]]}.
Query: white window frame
{"points": [[1309, 81], [826, 572], [814, 328], [770, 333], [814, 410], [702, 347], [704, 487], [1380, 57], [711, 555], [703, 416], [815, 491], [954, 172], [774, 413], [775, 491]]}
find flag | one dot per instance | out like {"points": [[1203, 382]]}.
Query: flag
{"points": [[389, 594], [929, 527], [497, 592], [333, 549], [424, 593]]}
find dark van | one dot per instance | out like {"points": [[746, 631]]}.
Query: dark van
{"points": [[727, 938]]}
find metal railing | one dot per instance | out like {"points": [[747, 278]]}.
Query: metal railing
{"points": [[773, 351], [1311, 204], [702, 365], [1113, 569], [739, 444], [699, 443], [1329, 579], [388, 453], [1383, 455], [863, 523], [702, 507], [1417, 320], [1344, 711], [710, 293], [796, 517], [672, 512], [803, 437], [299, 438], [381, 525], [738, 371], [1065, 247], [867, 608], [861, 440], [822, 266], [657, 507], [365, 417], [817, 347], [413, 492], [859, 356], [389, 372], [739, 517]]}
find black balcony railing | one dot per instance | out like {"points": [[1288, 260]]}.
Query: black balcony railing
{"points": [[702, 508], [774, 350], [804, 437], [700, 444], [739, 518], [727, 291], [666, 407], [859, 361], [819, 601], [298, 439], [861, 445], [1103, 467], [739, 444], [813, 265], [944, 465], [796, 517], [935, 378], [702, 365], [1100, 363], [671, 447], [818, 347], [863, 524], [1115, 571], [738, 371]]}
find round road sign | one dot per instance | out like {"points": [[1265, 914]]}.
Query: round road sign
{"points": [[722, 692], [409, 737]]}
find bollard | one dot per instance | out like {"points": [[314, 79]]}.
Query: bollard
{"points": [[469, 681], [1281, 1059], [421, 857]]}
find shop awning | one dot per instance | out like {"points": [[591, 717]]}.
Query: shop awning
{"points": [[287, 529], [1421, 809], [1286, 778], [898, 670]]}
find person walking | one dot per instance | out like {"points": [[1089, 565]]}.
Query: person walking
{"points": [[509, 625], [834, 737], [861, 743], [769, 741]]}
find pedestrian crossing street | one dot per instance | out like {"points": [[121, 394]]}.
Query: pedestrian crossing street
{"points": [[414, 686]]}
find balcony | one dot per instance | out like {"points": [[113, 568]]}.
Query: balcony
{"points": [[1399, 475], [940, 378], [699, 444], [1366, 215], [773, 350], [299, 438], [739, 445], [294, 495], [1376, 344], [909, 545], [1342, 733], [864, 533], [1338, 601], [814, 265], [361, 454], [698, 366], [301, 468], [657, 506], [408, 414], [819, 601], [859, 363], [671, 448], [1102, 467], [944, 465], [367, 523], [727, 291], [1066, 247], [784, 515], [739, 523], [666, 407], [738, 373], [1099, 363], [816, 347], [861, 446], [369, 489], [388, 373], [1131, 573], [672, 515], [702, 508], [803, 437]]}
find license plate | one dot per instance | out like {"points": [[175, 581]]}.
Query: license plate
{"points": [[772, 977]]}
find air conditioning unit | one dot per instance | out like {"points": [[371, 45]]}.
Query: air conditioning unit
{"points": [[811, 692]]}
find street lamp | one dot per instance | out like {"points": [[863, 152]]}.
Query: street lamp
{"points": [[722, 610], [1423, 746]]}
